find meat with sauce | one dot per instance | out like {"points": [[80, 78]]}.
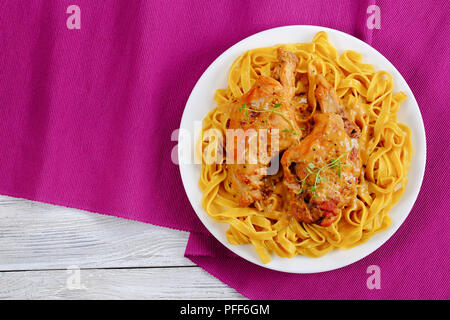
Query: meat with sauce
{"points": [[322, 171], [329, 102], [267, 105]]}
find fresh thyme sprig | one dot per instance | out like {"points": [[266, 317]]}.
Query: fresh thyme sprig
{"points": [[313, 170], [336, 163], [247, 109], [290, 130]]}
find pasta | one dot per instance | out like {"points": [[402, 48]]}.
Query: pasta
{"points": [[384, 153]]}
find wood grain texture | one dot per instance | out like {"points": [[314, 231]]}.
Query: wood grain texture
{"points": [[40, 244], [34, 235], [152, 283]]}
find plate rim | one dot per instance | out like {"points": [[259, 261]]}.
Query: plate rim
{"points": [[388, 233]]}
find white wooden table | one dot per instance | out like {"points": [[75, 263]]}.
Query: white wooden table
{"points": [[52, 252]]}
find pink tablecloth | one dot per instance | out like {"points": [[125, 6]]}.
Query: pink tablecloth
{"points": [[86, 117]]}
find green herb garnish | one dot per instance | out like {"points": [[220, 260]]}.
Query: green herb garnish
{"points": [[333, 164], [247, 109]]}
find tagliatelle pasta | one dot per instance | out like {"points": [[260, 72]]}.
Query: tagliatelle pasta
{"points": [[384, 151]]}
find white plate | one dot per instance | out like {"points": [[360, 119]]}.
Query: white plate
{"points": [[201, 102]]}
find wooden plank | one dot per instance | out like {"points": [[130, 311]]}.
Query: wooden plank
{"points": [[35, 235], [146, 283]]}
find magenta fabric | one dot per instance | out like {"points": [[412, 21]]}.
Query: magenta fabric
{"points": [[86, 118]]}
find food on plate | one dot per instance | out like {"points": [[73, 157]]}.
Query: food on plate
{"points": [[303, 153]]}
